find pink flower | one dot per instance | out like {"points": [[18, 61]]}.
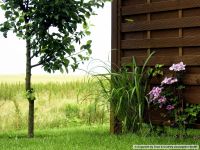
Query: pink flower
{"points": [[162, 99], [170, 107], [155, 93], [168, 81], [177, 67]]}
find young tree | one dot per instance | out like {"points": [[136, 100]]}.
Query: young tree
{"points": [[33, 20]]}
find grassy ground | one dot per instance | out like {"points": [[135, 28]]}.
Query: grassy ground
{"points": [[69, 115], [84, 138]]}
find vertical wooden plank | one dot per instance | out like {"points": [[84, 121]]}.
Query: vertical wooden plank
{"points": [[119, 20], [115, 124], [113, 53], [148, 32], [180, 14]]}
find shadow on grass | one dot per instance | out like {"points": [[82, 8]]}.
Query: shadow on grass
{"points": [[92, 132]]}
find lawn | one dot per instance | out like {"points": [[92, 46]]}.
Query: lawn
{"points": [[85, 138], [69, 115]]}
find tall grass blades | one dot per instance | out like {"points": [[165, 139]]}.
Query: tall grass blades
{"points": [[127, 92], [58, 104]]}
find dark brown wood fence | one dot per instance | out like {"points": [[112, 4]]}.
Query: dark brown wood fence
{"points": [[169, 27]]}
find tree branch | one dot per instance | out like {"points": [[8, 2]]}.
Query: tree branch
{"points": [[22, 7], [34, 54], [26, 10], [38, 64], [46, 59], [27, 4]]}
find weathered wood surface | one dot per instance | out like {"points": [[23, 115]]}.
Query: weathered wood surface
{"points": [[171, 28], [159, 7]]}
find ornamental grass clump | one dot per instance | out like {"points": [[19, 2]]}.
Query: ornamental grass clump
{"points": [[127, 93]]}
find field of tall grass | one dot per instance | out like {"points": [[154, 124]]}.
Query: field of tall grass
{"points": [[61, 101]]}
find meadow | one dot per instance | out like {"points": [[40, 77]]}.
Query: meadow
{"points": [[61, 101], [70, 113]]}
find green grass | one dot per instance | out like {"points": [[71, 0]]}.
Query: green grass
{"points": [[61, 101], [68, 115], [84, 138]]}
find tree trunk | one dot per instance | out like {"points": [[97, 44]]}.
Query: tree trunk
{"points": [[29, 89]]}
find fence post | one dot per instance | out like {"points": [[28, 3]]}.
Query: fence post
{"points": [[115, 124]]}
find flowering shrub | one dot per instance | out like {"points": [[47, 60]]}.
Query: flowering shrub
{"points": [[177, 67], [169, 81], [168, 96], [165, 95]]}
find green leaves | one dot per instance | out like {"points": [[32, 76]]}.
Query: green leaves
{"points": [[5, 27], [55, 48], [157, 71], [30, 95], [3, 6], [189, 115], [8, 14], [87, 47]]}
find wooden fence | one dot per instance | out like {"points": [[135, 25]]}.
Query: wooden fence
{"points": [[169, 27]]}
